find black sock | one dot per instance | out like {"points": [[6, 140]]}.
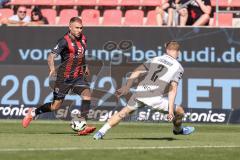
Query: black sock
{"points": [[85, 109], [43, 109]]}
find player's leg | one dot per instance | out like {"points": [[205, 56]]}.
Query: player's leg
{"points": [[116, 118], [177, 123], [81, 88], [86, 102], [113, 121], [161, 104], [59, 93], [133, 105], [47, 107]]}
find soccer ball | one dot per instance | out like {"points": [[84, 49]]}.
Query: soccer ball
{"points": [[78, 125]]}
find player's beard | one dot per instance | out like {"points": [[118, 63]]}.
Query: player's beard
{"points": [[77, 35]]}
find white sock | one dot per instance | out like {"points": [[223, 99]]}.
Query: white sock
{"points": [[105, 128]]}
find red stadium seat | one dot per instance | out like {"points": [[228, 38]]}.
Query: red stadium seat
{"points": [[43, 2], [90, 17], [130, 2], [224, 19], [50, 14], [65, 2], [5, 13], [235, 3], [151, 18], [133, 18], [86, 2], [221, 3], [225, 3], [21, 2], [66, 15], [112, 17], [151, 2], [108, 2]]}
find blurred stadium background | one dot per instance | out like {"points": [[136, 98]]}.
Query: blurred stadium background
{"points": [[225, 13], [209, 90]]}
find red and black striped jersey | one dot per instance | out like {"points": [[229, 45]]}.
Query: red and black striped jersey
{"points": [[72, 52]]}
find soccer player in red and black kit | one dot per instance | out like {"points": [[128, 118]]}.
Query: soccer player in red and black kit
{"points": [[70, 75]]}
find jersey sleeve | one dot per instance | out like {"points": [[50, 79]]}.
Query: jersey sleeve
{"points": [[178, 75], [60, 46], [84, 44], [84, 41]]}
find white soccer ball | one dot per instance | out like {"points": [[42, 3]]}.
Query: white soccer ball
{"points": [[78, 125]]}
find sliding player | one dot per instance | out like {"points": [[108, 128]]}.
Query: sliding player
{"points": [[162, 75]]}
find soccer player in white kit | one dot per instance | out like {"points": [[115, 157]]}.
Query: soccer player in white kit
{"points": [[157, 90]]}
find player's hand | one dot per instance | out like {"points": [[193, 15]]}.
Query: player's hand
{"points": [[170, 117], [87, 72], [122, 91], [52, 73]]}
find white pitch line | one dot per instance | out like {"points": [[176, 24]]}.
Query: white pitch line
{"points": [[108, 148]]}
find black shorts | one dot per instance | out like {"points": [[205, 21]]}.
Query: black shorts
{"points": [[63, 87]]}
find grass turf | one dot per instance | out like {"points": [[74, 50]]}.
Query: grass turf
{"points": [[52, 140]]}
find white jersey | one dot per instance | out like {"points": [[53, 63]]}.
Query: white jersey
{"points": [[162, 71]]}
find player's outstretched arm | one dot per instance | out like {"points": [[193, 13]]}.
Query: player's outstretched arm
{"points": [[135, 74], [171, 98], [140, 70]]}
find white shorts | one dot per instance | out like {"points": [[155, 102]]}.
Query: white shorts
{"points": [[156, 103]]}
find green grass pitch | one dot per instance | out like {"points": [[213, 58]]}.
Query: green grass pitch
{"points": [[54, 140]]}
